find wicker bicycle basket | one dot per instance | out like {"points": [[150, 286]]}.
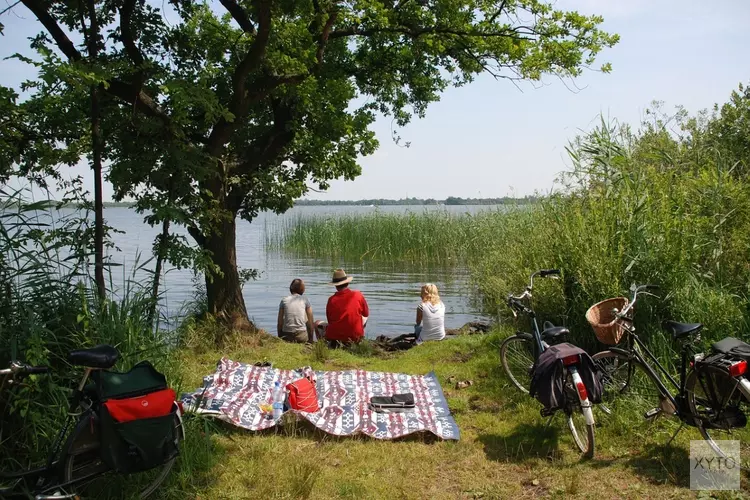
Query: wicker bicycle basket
{"points": [[607, 327]]}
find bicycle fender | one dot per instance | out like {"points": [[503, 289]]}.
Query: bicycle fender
{"points": [[744, 385], [618, 350], [523, 335]]}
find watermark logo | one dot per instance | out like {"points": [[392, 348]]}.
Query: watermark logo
{"points": [[710, 470]]}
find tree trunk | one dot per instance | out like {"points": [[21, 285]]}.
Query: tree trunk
{"points": [[224, 292], [97, 146], [161, 253], [98, 202]]}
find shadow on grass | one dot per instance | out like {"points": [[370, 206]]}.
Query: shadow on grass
{"points": [[662, 464], [299, 428], [527, 441], [193, 471]]}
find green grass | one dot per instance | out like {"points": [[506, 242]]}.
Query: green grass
{"points": [[506, 449]]}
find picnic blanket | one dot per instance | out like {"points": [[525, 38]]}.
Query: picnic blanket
{"points": [[236, 390]]}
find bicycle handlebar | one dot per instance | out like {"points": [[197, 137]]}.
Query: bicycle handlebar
{"points": [[22, 370], [514, 301], [33, 370], [638, 289], [549, 272]]}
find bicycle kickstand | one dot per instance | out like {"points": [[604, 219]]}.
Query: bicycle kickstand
{"points": [[682, 424]]}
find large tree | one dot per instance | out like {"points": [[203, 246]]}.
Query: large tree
{"points": [[219, 110]]}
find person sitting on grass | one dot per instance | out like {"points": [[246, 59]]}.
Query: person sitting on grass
{"points": [[346, 312], [295, 322], [430, 323]]}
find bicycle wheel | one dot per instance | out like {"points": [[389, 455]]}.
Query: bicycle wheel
{"points": [[85, 469], [714, 399], [517, 357], [580, 416], [628, 389]]}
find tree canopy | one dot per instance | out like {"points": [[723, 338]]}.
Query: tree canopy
{"points": [[216, 109]]}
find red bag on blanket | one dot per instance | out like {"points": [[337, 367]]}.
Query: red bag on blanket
{"points": [[302, 395]]}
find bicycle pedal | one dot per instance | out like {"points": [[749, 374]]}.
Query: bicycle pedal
{"points": [[652, 413], [545, 412]]}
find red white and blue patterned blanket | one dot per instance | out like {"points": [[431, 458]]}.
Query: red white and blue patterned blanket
{"points": [[235, 392]]}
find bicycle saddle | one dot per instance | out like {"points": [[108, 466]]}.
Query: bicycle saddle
{"points": [[680, 330], [552, 332], [102, 356]]}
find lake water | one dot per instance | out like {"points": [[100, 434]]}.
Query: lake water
{"points": [[392, 291]]}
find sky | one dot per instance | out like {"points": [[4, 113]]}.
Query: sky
{"points": [[491, 139]]}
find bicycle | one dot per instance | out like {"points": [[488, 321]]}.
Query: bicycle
{"points": [[74, 461], [707, 395], [519, 352]]}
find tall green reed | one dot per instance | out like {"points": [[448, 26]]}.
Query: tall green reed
{"points": [[431, 236]]}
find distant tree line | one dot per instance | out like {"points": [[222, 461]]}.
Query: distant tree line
{"points": [[451, 200]]}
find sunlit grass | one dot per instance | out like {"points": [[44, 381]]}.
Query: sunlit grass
{"points": [[506, 449]]}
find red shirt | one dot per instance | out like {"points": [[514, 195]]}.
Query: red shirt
{"points": [[344, 313]]}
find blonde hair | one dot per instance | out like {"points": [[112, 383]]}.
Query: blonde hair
{"points": [[430, 293]]}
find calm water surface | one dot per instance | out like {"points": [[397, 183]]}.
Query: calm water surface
{"points": [[392, 291]]}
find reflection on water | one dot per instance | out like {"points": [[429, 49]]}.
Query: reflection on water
{"points": [[392, 291]]}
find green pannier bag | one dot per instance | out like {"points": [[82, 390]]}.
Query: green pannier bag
{"points": [[140, 444]]}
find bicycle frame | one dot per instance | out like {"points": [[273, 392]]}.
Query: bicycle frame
{"points": [[536, 332], [635, 341], [32, 477], [636, 348]]}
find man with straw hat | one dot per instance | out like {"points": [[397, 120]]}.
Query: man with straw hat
{"points": [[346, 311]]}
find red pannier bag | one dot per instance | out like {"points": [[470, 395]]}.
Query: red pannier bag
{"points": [[154, 404], [303, 396]]}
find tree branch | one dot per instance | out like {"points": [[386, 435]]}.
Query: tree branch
{"points": [[9, 7], [496, 14], [49, 23], [239, 103], [239, 15], [128, 40], [266, 149], [324, 36], [413, 31]]}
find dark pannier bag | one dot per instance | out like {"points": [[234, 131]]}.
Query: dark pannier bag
{"points": [[731, 345], [141, 440], [547, 383], [721, 390]]}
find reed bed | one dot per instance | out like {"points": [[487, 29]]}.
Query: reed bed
{"points": [[436, 237]]}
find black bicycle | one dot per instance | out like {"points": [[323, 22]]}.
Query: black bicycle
{"points": [[75, 463], [519, 352], [708, 393]]}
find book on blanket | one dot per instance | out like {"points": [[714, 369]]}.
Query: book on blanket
{"points": [[395, 401]]}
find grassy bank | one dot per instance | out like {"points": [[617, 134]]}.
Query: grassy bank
{"points": [[506, 449]]}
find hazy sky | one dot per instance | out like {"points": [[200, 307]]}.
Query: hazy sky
{"points": [[491, 139]]}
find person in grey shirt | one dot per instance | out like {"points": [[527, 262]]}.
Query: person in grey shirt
{"points": [[295, 323]]}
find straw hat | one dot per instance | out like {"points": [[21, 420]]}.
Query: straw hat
{"points": [[340, 278]]}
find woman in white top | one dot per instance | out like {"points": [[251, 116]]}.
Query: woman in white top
{"points": [[430, 323]]}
